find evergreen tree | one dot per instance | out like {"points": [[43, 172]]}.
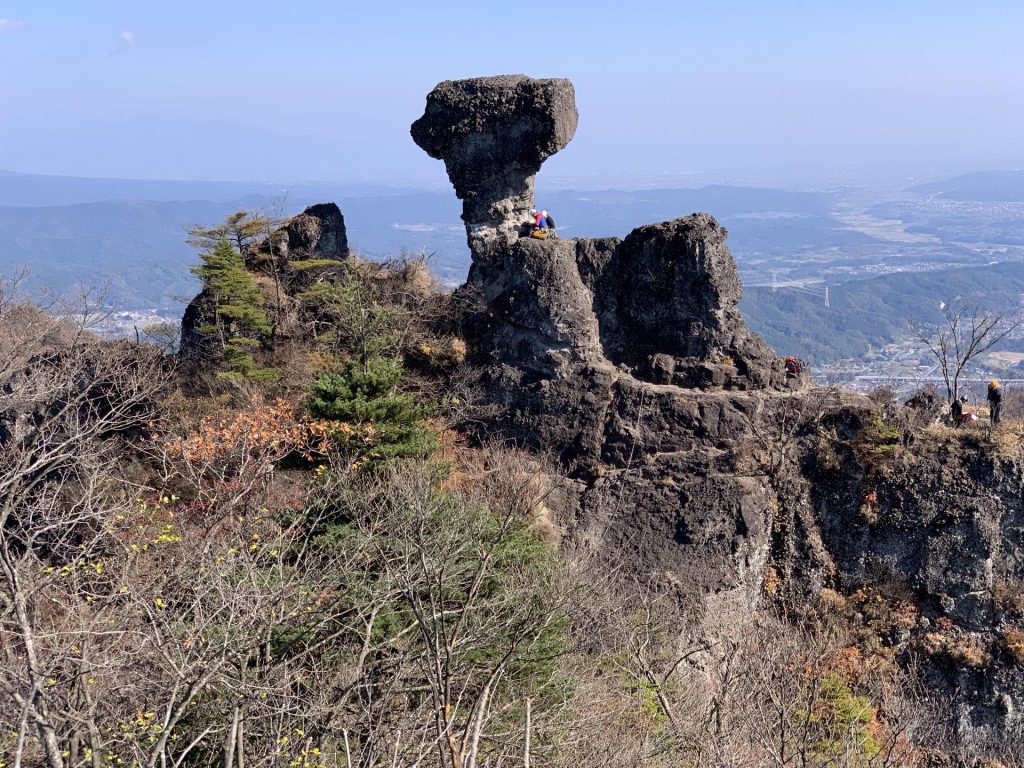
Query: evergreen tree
{"points": [[241, 229], [239, 318], [388, 424]]}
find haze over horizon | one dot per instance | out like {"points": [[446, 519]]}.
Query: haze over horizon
{"points": [[741, 92]]}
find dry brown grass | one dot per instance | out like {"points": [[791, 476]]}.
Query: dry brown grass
{"points": [[1006, 438], [1008, 595], [1013, 642]]}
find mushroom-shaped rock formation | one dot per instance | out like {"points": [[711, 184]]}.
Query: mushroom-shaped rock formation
{"points": [[692, 459], [493, 134]]}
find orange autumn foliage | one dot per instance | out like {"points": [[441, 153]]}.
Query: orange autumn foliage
{"points": [[268, 430]]}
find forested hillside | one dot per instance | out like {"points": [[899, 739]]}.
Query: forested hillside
{"points": [[866, 314]]}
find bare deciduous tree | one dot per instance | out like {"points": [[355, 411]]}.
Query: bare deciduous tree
{"points": [[965, 333]]}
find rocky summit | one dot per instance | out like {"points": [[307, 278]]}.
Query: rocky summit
{"points": [[688, 457]]}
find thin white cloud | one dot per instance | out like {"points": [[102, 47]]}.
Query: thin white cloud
{"points": [[9, 25], [125, 42]]}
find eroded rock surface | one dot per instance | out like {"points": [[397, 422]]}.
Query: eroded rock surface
{"points": [[316, 233], [626, 359], [493, 134], [695, 461]]}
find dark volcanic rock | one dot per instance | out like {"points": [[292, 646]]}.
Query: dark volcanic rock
{"points": [[667, 307], [606, 352], [316, 233], [699, 464], [493, 134], [196, 347]]}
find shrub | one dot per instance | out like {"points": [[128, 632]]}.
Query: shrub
{"points": [[961, 650], [1013, 642], [876, 442], [841, 714], [1008, 595]]}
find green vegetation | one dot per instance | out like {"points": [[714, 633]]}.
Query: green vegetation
{"points": [[382, 424], [239, 320], [877, 441], [241, 229], [841, 718], [868, 314]]}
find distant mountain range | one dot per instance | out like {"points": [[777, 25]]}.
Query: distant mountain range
{"points": [[129, 235], [984, 186]]}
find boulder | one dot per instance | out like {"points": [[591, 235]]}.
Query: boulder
{"points": [[667, 306], [316, 233]]}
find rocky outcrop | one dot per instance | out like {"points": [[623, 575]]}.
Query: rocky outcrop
{"points": [[936, 523], [316, 235], [569, 325], [696, 462], [626, 359], [493, 134]]}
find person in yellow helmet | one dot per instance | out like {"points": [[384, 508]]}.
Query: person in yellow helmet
{"points": [[995, 401]]}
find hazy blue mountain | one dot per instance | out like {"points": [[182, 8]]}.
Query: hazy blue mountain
{"points": [[983, 186], [20, 189], [92, 231]]}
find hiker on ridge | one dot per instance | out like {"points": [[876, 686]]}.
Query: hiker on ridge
{"points": [[995, 401]]}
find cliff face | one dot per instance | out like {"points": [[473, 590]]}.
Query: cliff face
{"points": [[939, 524], [694, 459]]}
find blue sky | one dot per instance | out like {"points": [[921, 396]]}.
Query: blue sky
{"points": [[667, 91]]}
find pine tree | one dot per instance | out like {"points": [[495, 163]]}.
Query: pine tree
{"points": [[239, 318], [241, 229], [389, 424]]}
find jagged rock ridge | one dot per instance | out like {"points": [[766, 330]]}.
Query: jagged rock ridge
{"points": [[693, 460]]}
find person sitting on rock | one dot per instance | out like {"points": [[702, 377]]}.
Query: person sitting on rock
{"points": [[539, 226], [550, 223]]}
